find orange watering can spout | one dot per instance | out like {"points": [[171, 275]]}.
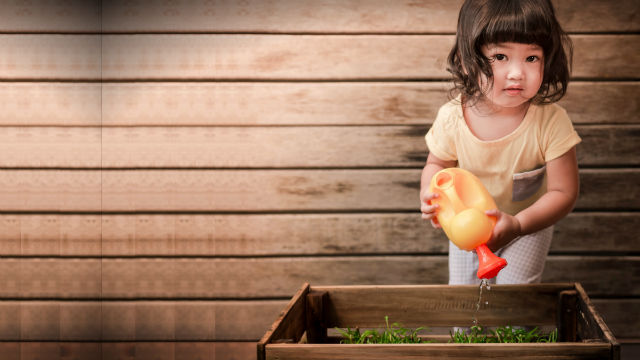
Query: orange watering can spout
{"points": [[490, 264], [463, 200]]}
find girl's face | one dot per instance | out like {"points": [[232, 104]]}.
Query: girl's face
{"points": [[517, 73]]}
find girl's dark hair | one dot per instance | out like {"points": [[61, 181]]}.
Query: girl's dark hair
{"points": [[483, 22]]}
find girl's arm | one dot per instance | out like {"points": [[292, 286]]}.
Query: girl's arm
{"points": [[434, 164], [563, 185]]}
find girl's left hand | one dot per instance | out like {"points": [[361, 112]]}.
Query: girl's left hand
{"points": [[507, 228]]}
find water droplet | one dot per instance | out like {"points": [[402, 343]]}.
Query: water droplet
{"points": [[486, 303]]}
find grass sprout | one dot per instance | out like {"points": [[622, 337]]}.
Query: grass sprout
{"points": [[396, 334], [391, 334], [506, 334]]}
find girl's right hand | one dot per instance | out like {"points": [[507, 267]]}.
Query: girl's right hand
{"points": [[428, 210]]}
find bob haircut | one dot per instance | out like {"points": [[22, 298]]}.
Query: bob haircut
{"points": [[483, 22]]}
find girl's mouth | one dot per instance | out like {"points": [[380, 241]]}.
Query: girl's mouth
{"points": [[513, 91]]}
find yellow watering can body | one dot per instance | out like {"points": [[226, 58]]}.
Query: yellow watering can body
{"points": [[462, 201]]}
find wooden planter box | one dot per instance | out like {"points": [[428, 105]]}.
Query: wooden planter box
{"points": [[300, 332]]}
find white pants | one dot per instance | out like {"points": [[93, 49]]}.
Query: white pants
{"points": [[525, 257]]}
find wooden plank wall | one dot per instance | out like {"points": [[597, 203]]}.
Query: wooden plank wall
{"points": [[172, 171]]}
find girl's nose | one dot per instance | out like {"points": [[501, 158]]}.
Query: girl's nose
{"points": [[515, 72]]}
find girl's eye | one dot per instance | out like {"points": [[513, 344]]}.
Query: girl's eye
{"points": [[532, 58], [500, 57]]}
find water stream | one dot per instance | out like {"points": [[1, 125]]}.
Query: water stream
{"points": [[484, 283]]}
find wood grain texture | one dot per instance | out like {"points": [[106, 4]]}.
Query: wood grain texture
{"points": [[277, 234], [138, 350], [50, 104], [598, 144], [622, 316], [349, 17], [69, 16], [350, 103], [256, 277], [25, 278], [268, 190], [597, 324], [438, 351], [290, 324], [153, 350], [286, 57], [257, 104], [235, 278], [439, 305], [324, 57], [591, 50], [288, 103], [262, 147], [49, 57], [183, 284], [58, 189], [51, 147], [194, 320]]}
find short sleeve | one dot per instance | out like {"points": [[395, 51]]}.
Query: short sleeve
{"points": [[559, 135], [441, 136]]}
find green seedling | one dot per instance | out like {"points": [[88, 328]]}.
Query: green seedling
{"points": [[505, 334], [395, 334], [391, 334]]}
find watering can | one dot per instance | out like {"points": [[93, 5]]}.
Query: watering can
{"points": [[463, 200]]}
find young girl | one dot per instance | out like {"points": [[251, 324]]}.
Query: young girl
{"points": [[510, 66]]}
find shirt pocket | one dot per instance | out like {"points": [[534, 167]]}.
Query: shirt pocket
{"points": [[527, 183]]}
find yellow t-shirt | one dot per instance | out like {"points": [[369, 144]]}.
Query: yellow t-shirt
{"points": [[512, 168]]}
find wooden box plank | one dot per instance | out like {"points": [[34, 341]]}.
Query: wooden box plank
{"points": [[591, 325], [438, 351], [435, 305], [290, 324], [360, 306]]}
